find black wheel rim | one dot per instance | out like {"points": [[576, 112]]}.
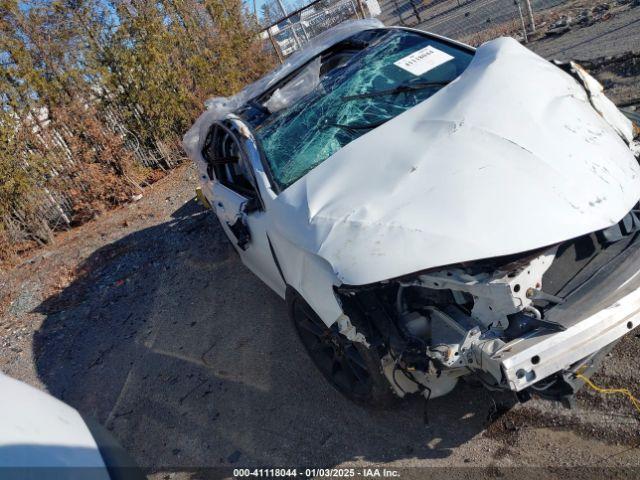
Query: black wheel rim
{"points": [[336, 357]]}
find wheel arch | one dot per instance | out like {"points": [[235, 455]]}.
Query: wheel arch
{"points": [[308, 276]]}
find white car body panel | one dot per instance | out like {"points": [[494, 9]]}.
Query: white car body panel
{"points": [[227, 203], [41, 431], [509, 157], [309, 274]]}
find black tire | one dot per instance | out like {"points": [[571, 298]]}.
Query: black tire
{"points": [[352, 368]]}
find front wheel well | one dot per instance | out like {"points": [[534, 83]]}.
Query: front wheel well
{"points": [[352, 368]]}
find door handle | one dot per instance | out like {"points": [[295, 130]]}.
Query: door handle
{"points": [[220, 205]]}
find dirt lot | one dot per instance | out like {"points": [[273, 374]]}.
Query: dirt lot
{"points": [[147, 320], [609, 47]]}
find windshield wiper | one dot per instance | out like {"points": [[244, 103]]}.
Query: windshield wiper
{"points": [[354, 128], [410, 87]]}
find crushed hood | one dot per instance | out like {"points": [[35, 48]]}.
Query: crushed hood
{"points": [[509, 157]]}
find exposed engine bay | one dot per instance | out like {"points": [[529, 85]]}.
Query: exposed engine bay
{"points": [[433, 327]]}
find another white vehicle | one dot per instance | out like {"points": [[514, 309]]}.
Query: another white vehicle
{"points": [[431, 211], [42, 437]]}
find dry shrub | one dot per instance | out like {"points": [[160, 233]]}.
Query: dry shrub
{"points": [[102, 93], [509, 28], [97, 177]]}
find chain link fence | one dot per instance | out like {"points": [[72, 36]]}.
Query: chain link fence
{"points": [[291, 32], [470, 21]]}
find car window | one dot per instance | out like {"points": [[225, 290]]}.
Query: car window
{"points": [[226, 163], [371, 87]]}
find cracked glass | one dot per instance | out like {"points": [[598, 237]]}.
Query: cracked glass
{"points": [[352, 99]]}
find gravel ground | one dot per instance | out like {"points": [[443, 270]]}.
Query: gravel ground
{"points": [[617, 34], [146, 320], [610, 49]]}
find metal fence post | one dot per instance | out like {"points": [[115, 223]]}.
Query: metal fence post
{"points": [[361, 7], [524, 28], [275, 46], [532, 23]]}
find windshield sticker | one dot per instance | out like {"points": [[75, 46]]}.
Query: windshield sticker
{"points": [[425, 59]]}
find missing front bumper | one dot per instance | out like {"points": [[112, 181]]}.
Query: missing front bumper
{"points": [[528, 360], [600, 312]]}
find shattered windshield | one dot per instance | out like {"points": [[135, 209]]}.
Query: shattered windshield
{"points": [[392, 74]]}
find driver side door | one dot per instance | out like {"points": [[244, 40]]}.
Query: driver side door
{"points": [[238, 206]]}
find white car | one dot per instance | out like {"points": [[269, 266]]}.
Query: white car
{"points": [[431, 211], [42, 437]]}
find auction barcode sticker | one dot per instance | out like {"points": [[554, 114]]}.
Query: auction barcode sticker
{"points": [[423, 60]]}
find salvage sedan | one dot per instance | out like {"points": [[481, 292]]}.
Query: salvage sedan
{"points": [[430, 211]]}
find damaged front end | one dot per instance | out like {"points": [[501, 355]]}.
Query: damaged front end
{"points": [[529, 323]]}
